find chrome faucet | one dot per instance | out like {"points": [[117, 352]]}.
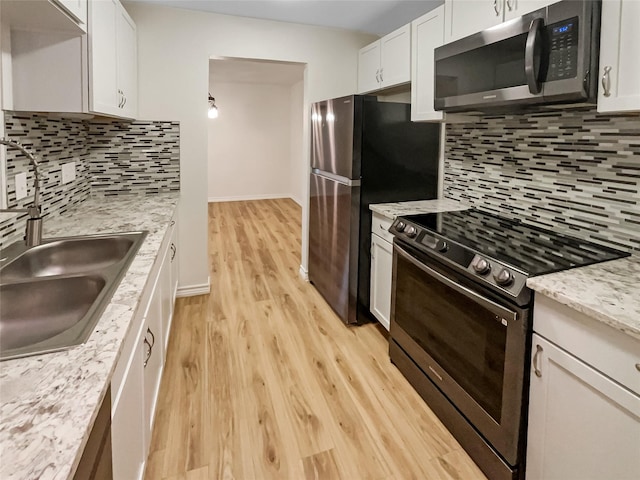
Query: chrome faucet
{"points": [[33, 235]]}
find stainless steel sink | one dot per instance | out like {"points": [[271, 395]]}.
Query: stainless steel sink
{"points": [[68, 256], [52, 295]]}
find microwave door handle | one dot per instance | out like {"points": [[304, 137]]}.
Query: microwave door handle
{"points": [[493, 307], [532, 55]]}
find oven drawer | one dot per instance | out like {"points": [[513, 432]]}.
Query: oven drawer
{"points": [[380, 226]]}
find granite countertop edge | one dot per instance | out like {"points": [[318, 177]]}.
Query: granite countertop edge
{"points": [[48, 403], [606, 292]]}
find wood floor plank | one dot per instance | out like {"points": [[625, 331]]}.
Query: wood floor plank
{"points": [[263, 381]]}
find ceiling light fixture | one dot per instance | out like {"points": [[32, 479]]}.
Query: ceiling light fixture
{"points": [[213, 110]]}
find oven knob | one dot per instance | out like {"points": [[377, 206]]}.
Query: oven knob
{"points": [[482, 266], [442, 246], [503, 277], [410, 231], [400, 226]]}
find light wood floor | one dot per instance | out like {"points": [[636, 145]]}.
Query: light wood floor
{"points": [[263, 381]]}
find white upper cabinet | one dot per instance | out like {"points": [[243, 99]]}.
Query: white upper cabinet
{"points": [[112, 60], [427, 34], [386, 62], [465, 17], [369, 68], [76, 8], [46, 15], [619, 75]]}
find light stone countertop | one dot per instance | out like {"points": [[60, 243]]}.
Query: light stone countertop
{"points": [[609, 292], [48, 403], [392, 210]]}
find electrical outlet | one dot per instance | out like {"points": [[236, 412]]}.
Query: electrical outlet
{"points": [[21, 185], [68, 172]]}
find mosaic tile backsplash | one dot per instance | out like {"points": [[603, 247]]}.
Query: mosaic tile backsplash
{"points": [[112, 158], [572, 171]]}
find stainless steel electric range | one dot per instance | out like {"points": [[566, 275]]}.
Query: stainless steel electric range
{"points": [[461, 322]]}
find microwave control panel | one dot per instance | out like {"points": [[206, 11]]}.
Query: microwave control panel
{"points": [[563, 49]]}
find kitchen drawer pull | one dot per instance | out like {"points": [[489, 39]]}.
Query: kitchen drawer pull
{"points": [[638, 366], [149, 348], [378, 75], [510, 5], [153, 337], [536, 370], [606, 81], [381, 77], [496, 7], [173, 251]]}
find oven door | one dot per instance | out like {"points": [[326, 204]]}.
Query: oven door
{"points": [[471, 345]]}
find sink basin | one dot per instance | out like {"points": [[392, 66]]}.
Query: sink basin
{"points": [[52, 295], [32, 312], [68, 256]]}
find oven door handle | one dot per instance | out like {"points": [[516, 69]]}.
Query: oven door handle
{"points": [[493, 307]]}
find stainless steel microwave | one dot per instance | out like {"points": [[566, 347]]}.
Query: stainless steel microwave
{"points": [[547, 56]]}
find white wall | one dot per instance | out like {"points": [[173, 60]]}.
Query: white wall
{"points": [[249, 143], [174, 47], [298, 170]]}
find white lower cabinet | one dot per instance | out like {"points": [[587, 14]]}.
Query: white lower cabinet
{"points": [[127, 416], [136, 379], [381, 269], [583, 425]]}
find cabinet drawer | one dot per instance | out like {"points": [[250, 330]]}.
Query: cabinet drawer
{"points": [[380, 226], [606, 349]]}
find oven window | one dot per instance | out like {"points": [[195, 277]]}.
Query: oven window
{"points": [[464, 338], [492, 67]]}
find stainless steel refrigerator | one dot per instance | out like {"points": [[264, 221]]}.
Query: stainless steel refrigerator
{"points": [[362, 151]]}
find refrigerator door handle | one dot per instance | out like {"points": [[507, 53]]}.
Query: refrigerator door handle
{"points": [[336, 178]]}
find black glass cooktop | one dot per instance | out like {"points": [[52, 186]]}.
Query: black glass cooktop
{"points": [[533, 250]]}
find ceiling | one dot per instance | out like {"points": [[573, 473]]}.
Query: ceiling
{"points": [[377, 17]]}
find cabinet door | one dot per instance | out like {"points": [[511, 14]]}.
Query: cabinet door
{"points": [[369, 68], [127, 47], [164, 282], [619, 90], [427, 34], [464, 17], [153, 360], [127, 424], [103, 57], [582, 425], [517, 8], [395, 57], [76, 8], [381, 264]]}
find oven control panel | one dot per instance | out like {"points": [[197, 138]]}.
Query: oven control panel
{"points": [[482, 269]]}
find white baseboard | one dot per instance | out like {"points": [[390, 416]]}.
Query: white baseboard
{"points": [[241, 198], [193, 290], [304, 273]]}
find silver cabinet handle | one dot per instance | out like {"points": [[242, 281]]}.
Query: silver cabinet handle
{"points": [[381, 77], [153, 337], [173, 251], [125, 100], [149, 348], [606, 81], [378, 75], [638, 366], [382, 227], [510, 5], [173, 222], [536, 370], [120, 101], [496, 7]]}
